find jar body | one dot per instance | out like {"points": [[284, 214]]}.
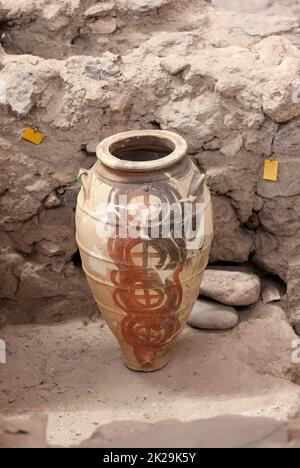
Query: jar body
{"points": [[145, 280]]}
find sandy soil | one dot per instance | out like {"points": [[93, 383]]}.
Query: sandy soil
{"points": [[75, 374]]}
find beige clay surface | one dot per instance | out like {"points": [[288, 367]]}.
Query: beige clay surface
{"points": [[75, 374]]}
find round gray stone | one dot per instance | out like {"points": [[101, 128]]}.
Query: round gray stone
{"points": [[210, 315], [231, 287]]}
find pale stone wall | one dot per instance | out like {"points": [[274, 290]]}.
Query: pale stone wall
{"points": [[225, 80]]}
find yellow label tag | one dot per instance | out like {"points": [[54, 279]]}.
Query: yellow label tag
{"points": [[271, 170], [33, 136]]}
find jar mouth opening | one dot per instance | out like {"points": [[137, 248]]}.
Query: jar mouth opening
{"points": [[140, 151], [142, 148]]}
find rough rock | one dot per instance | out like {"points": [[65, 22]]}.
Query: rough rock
{"points": [[209, 315], [174, 64], [21, 433], [9, 283], [287, 184], [49, 249], [271, 293], [103, 67], [231, 243], [103, 26], [22, 93], [219, 432], [222, 432], [100, 9], [235, 288], [270, 7], [274, 318], [141, 6], [52, 201]]}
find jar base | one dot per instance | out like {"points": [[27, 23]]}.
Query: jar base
{"points": [[155, 366]]}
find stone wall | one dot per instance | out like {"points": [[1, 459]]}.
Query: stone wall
{"points": [[226, 80]]}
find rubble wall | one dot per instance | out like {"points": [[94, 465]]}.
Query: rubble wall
{"points": [[226, 80]]}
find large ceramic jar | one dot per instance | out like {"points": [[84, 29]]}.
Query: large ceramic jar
{"points": [[144, 230]]}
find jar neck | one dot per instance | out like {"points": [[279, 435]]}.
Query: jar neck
{"points": [[142, 151]]}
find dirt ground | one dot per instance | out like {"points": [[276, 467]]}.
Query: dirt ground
{"points": [[74, 373]]}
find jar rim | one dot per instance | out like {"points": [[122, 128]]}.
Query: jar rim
{"points": [[171, 142]]}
